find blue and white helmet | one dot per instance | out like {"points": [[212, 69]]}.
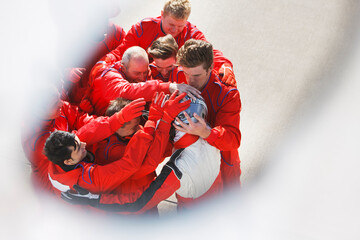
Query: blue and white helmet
{"points": [[197, 106]]}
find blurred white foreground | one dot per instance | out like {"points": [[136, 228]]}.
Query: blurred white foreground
{"points": [[302, 184]]}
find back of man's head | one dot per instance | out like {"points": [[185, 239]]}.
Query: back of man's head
{"points": [[57, 147], [134, 53], [195, 53], [116, 105], [164, 47], [179, 9]]}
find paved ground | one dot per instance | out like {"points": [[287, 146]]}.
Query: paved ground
{"points": [[296, 65]]}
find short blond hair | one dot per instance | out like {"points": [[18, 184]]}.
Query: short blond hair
{"points": [[179, 9]]}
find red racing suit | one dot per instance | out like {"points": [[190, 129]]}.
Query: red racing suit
{"points": [[145, 32], [224, 107], [127, 176], [110, 83], [102, 179], [192, 171], [113, 147], [113, 38], [130, 190], [70, 119]]}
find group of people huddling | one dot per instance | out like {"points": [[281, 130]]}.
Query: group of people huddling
{"points": [[158, 92]]}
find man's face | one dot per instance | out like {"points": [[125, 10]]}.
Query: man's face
{"points": [[171, 25], [165, 66], [78, 153], [197, 77], [137, 70], [129, 128]]}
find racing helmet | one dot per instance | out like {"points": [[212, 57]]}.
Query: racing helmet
{"points": [[197, 106]]}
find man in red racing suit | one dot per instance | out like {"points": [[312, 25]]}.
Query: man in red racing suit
{"points": [[62, 116], [173, 20], [126, 79], [113, 147], [224, 107], [76, 79], [77, 170], [193, 171], [163, 52]]}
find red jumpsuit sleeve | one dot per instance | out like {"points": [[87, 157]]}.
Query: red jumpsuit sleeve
{"points": [[114, 55], [130, 40], [98, 129], [141, 34], [75, 117], [114, 86], [33, 149], [90, 128], [115, 36], [102, 179], [156, 151], [160, 189], [225, 135]]}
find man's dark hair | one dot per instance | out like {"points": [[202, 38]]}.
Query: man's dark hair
{"points": [[116, 105], [57, 147], [164, 47], [195, 53]]}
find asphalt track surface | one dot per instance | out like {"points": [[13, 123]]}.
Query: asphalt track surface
{"points": [[296, 64]]}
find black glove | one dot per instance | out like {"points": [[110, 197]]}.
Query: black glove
{"points": [[81, 197]]}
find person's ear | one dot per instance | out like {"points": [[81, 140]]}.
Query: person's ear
{"points": [[68, 162], [123, 68], [162, 13]]}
